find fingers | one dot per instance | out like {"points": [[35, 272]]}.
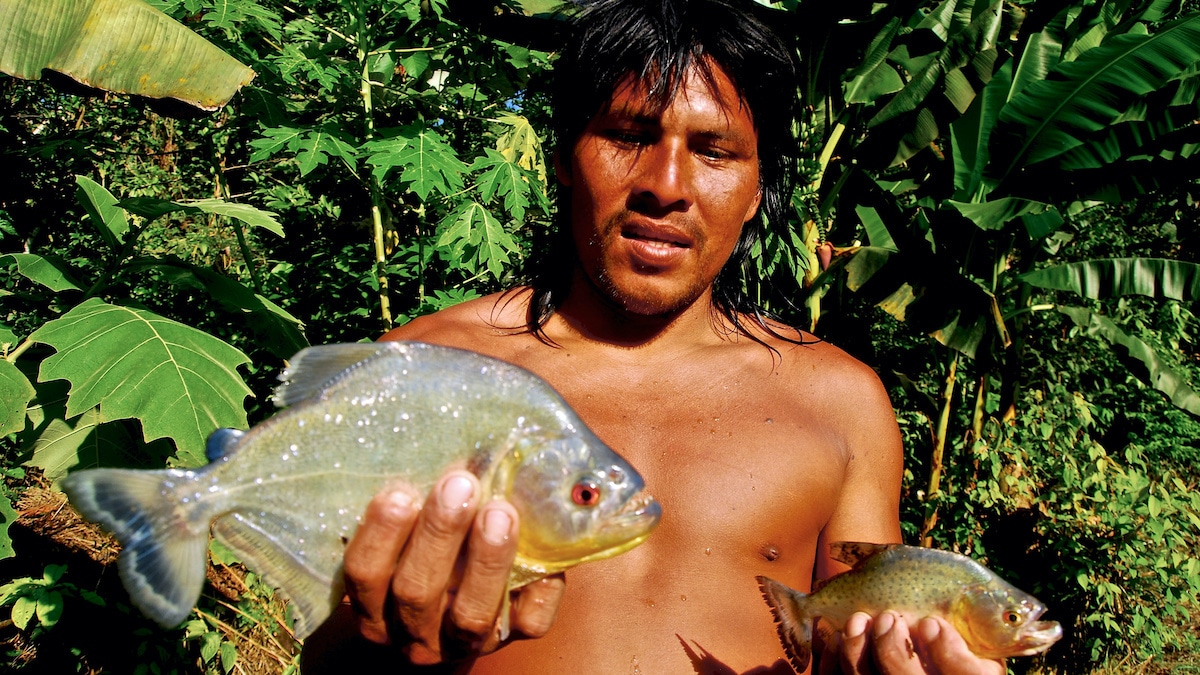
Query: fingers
{"points": [[893, 647], [422, 578], [947, 652], [490, 554], [370, 560], [855, 655], [536, 606]]}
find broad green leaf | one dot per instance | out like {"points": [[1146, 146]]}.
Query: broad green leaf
{"points": [[8, 340], [478, 240], [876, 77], [1110, 278], [877, 232], [994, 215], [1050, 117], [41, 270], [153, 207], [8, 516], [15, 394], [23, 611], [124, 46], [970, 133], [101, 205], [277, 330], [969, 30], [83, 442], [49, 608], [181, 383], [426, 161], [1158, 374]]}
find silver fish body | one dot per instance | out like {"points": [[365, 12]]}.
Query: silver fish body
{"points": [[287, 494]]}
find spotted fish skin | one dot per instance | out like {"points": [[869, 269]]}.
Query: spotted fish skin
{"points": [[994, 617], [288, 494]]}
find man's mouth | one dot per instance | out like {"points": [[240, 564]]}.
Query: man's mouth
{"points": [[657, 236]]}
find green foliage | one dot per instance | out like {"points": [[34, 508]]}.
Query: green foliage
{"points": [[146, 285], [37, 604]]}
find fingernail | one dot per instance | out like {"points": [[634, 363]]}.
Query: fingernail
{"points": [[929, 630], [884, 623], [856, 625], [456, 493], [496, 526], [400, 500]]}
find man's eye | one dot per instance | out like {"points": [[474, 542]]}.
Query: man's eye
{"points": [[627, 137]]}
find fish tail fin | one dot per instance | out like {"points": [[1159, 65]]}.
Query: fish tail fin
{"points": [[164, 556], [792, 621]]}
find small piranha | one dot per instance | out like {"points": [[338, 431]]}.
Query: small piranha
{"points": [[289, 493], [995, 618]]}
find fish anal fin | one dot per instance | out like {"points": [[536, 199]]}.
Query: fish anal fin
{"points": [[792, 621], [854, 552], [312, 370], [256, 538]]}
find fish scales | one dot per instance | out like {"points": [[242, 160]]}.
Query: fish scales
{"points": [[995, 618], [287, 494]]}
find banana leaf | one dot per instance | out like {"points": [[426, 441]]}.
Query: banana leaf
{"points": [[125, 46], [1101, 279], [1051, 117], [1156, 372]]}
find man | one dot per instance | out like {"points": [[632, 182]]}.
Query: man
{"points": [[762, 444]]}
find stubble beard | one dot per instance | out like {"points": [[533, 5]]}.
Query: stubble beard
{"points": [[643, 299]]}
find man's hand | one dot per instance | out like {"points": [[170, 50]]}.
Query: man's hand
{"points": [[401, 566], [884, 645]]}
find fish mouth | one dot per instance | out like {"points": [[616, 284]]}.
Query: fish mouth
{"points": [[1038, 637], [638, 518]]}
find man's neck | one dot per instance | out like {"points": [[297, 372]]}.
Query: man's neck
{"points": [[588, 315]]}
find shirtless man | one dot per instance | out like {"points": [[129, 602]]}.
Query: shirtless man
{"points": [[762, 444]]}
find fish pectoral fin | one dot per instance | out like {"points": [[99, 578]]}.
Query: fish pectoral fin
{"points": [[261, 541], [854, 552]]}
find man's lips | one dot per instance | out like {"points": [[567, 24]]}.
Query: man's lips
{"points": [[658, 235]]}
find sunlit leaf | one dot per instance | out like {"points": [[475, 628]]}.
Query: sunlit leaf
{"points": [[181, 383], [1109, 278], [124, 46], [152, 207], [994, 215], [503, 178], [478, 239], [8, 516], [426, 161]]}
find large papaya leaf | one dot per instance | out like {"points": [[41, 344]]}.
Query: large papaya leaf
{"points": [[181, 383], [1158, 374], [1100, 279], [428, 163], [1050, 117], [125, 46], [477, 239]]}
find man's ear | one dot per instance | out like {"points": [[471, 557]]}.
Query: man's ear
{"points": [[561, 171], [753, 206]]}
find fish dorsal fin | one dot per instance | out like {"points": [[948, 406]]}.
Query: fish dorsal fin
{"points": [[854, 552], [314, 369]]}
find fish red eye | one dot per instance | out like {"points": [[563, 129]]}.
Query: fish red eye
{"points": [[586, 493], [1012, 617]]}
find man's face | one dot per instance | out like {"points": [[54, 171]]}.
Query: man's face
{"points": [[658, 201]]}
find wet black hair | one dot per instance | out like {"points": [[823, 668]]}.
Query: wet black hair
{"points": [[658, 42]]}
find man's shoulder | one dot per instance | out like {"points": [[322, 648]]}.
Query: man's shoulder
{"points": [[466, 323]]}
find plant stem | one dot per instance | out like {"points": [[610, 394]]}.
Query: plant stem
{"points": [[939, 448], [377, 234]]}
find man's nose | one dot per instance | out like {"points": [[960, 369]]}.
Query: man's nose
{"points": [[663, 179]]}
